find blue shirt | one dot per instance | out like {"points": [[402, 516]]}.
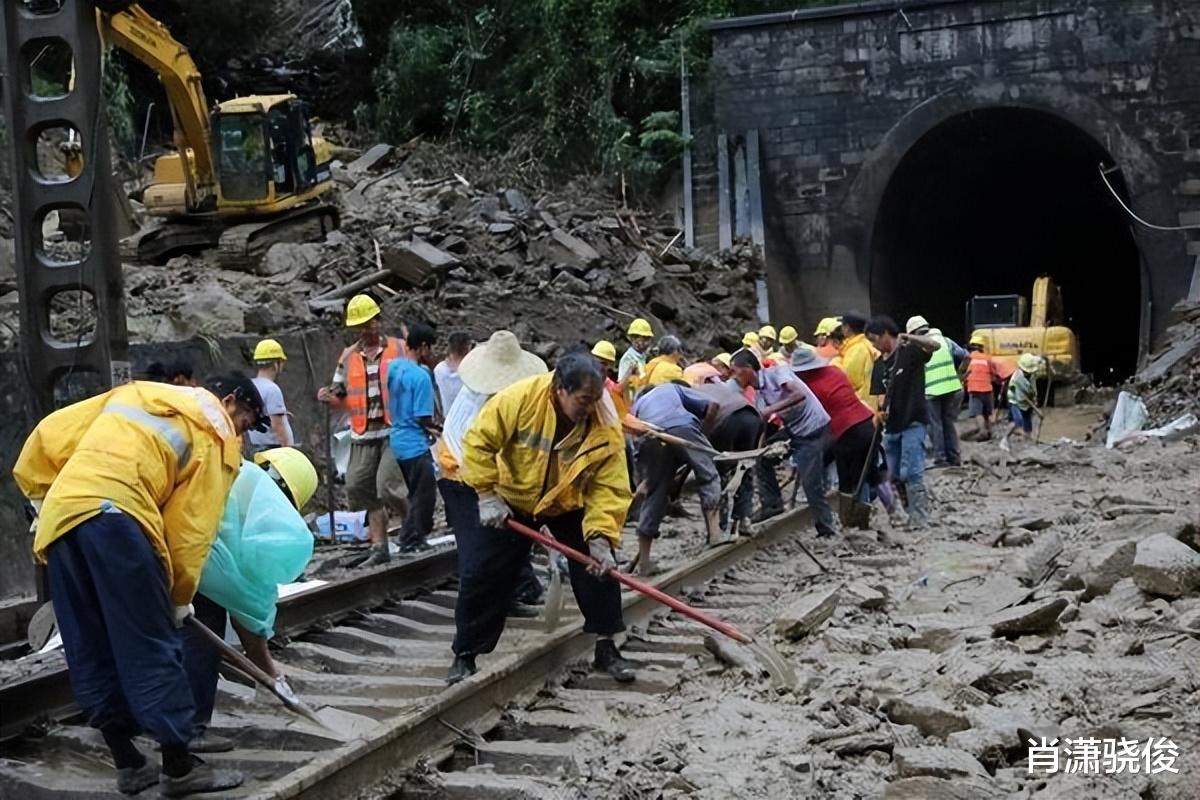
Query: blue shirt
{"points": [[672, 406], [410, 397]]}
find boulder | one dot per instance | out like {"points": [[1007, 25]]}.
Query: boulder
{"points": [[802, 616], [928, 713], [285, 256], [1101, 567], [929, 788], [937, 762], [864, 596], [414, 262], [567, 282], [640, 269], [1034, 617], [516, 201], [1165, 566], [374, 157]]}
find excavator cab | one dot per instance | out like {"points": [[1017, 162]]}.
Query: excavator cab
{"points": [[996, 311], [264, 151]]}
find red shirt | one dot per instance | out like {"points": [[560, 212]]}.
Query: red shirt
{"points": [[833, 389]]}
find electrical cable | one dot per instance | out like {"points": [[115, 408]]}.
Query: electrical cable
{"points": [[1136, 218]]}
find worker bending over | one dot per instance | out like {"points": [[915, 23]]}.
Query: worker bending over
{"points": [[1022, 398], [262, 541], [547, 450], [684, 413], [130, 486], [737, 427], [373, 478]]}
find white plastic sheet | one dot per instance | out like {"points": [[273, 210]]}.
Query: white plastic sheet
{"points": [[1128, 418]]}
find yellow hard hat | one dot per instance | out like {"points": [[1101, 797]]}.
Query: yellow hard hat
{"points": [[750, 339], [768, 332], [724, 358], [640, 327], [360, 309], [605, 350], [1029, 362], [788, 334], [978, 339], [269, 350], [294, 469], [827, 326]]}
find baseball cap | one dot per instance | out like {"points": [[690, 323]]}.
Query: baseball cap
{"points": [[245, 392]]}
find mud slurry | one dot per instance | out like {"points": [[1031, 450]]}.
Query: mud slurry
{"points": [[948, 648]]}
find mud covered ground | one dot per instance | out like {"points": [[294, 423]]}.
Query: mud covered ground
{"points": [[1017, 614]]}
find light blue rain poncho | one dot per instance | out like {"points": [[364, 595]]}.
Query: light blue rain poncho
{"points": [[262, 541]]}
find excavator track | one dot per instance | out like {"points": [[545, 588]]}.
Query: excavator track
{"points": [[242, 246]]}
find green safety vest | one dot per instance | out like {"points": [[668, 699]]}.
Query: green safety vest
{"points": [[941, 377]]}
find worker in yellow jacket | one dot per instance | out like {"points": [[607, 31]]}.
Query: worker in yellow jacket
{"points": [[858, 356], [130, 486], [547, 450]]}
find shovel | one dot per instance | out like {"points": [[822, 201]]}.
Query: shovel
{"points": [[772, 662], [638, 427], [252, 670], [854, 512]]}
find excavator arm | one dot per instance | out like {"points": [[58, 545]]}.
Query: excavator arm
{"points": [[1047, 305], [130, 27]]}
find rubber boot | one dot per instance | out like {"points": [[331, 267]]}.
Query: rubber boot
{"points": [[918, 505], [462, 668], [609, 659], [201, 778]]}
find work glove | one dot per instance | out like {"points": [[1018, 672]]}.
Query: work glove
{"points": [[493, 512], [601, 550], [182, 613]]}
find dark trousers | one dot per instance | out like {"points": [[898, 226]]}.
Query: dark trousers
{"points": [[943, 413], [850, 453], [657, 465], [740, 431], [422, 496], [116, 620], [462, 512], [201, 660], [487, 582], [809, 455]]}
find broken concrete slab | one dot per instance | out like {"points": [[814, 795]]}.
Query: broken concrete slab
{"points": [[640, 269], [1165, 566], [579, 251], [937, 762], [1034, 617], [302, 259], [928, 712], [805, 614]]}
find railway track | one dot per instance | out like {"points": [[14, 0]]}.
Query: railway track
{"points": [[376, 648]]}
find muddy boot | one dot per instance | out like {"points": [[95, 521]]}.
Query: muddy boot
{"points": [[131, 780], [647, 568], [609, 659], [379, 556], [462, 668], [918, 506], [199, 779], [205, 741]]}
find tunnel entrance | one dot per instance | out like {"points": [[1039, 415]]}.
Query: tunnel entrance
{"points": [[987, 201]]}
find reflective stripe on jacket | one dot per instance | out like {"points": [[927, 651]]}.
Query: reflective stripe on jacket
{"points": [[508, 452], [164, 455], [941, 378], [356, 382], [980, 373]]}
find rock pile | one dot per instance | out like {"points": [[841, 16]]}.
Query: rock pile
{"points": [[558, 268], [1169, 384]]}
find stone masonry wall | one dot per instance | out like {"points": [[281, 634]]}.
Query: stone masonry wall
{"points": [[838, 95]]}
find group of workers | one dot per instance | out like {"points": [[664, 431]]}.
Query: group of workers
{"points": [[151, 521]]}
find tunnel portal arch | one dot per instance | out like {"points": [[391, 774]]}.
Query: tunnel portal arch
{"points": [[985, 200]]}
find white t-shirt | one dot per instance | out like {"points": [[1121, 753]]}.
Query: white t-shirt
{"points": [[273, 404], [448, 384]]}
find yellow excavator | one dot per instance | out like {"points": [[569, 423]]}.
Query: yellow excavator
{"points": [[243, 177], [1010, 326]]}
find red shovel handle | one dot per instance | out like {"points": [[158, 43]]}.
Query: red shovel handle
{"points": [[635, 584]]}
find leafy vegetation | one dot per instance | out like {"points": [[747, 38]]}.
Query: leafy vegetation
{"points": [[582, 84]]}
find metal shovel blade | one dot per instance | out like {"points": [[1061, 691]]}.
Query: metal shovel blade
{"points": [[554, 595]]}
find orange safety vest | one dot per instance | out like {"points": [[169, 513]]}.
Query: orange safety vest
{"points": [[979, 373], [356, 382]]}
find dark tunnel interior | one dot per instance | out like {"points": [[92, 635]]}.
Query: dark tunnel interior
{"points": [[987, 201]]}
